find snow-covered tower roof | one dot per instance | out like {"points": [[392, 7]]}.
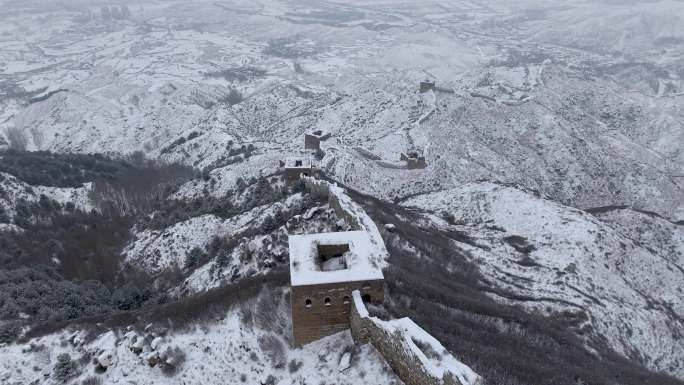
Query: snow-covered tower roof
{"points": [[347, 256]]}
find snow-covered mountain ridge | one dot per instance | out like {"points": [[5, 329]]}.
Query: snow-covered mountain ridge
{"points": [[541, 116], [552, 142], [556, 259]]}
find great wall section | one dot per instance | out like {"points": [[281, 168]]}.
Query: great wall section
{"points": [[414, 355], [324, 308]]}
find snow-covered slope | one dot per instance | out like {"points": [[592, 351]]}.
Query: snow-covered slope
{"points": [[244, 346], [159, 250], [12, 190], [655, 233], [555, 259]]}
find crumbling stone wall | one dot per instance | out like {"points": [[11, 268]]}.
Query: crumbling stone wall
{"points": [[322, 189], [345, 208], [394, 348], [316, 187], [359, 324], [347, 217]]}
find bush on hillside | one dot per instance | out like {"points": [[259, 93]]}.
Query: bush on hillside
{"points": [[65, 369], [9, 331]]}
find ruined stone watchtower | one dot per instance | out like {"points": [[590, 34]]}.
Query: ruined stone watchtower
{"points": [[413, 160], [334, 275], [426, 86], [312, 140], [295, 167], [324, 270]]}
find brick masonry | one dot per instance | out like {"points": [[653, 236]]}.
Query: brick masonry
{"points": [[312, 142], [320, 319], [426, 86], [292, 174], [322, 190]]}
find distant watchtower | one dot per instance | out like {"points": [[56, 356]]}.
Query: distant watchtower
{"points": [[324, 270], [312, 140], [413, 160], [294, 167], [426, 86]]}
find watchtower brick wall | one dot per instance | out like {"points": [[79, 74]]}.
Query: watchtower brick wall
{"points": [[328, 311], [312, 142], [426, 86], [413, 162], [293, 173]]}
